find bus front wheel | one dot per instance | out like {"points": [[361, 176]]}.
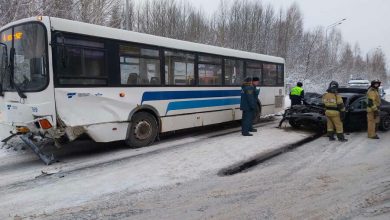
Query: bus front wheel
{"points": [[143, 130]]}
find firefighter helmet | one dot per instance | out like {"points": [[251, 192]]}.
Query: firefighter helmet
{"points": [[333, 87], [374, 82]]}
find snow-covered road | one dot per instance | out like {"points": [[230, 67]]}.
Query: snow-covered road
{"points": [[320, 180], [84, 178]]}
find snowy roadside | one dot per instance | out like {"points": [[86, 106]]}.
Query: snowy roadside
{"points": [[192, 161], [19, 164]]}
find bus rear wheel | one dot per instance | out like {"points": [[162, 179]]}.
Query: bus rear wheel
{"points": [[143, 130]]}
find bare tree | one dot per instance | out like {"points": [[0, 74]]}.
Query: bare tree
{"points": [[313, 56]]}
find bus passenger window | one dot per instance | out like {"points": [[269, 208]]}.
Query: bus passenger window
{"points": [[210, 71], [179, 68], [234, 72], [270, 75], [280, 75], [139, 66], [80, 62], [253, 69]]}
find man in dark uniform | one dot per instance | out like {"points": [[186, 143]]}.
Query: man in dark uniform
{"points": [[248, 105], [297, 94]]}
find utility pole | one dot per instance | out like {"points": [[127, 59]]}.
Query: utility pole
{"points": [[331, 26]]}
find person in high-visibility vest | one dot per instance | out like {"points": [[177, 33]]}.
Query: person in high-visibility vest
{"points": [[373, 103], [334, 111], [297, 94]]}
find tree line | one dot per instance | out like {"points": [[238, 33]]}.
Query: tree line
{"points": [[313, 56]]}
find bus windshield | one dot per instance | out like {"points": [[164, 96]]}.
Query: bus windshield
{"points": [[26, 52]]}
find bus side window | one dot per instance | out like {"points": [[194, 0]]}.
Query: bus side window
{"points": [[280, 75], [81, 62], [234, 72], [254, 69], [270, 75], [210, 71], [139, 66], [179, 68]]}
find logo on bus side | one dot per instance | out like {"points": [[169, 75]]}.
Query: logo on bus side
{"points": [[73, 94], [70, 95], [9, 107]]}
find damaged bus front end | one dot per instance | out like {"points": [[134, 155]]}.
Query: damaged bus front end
{"points": [[26, 86]]}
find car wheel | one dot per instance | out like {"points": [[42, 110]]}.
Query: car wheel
{"points": [[143, 130], [384, 124], [294, 124]]}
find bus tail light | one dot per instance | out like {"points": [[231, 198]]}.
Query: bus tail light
{"points": [[45, 124]]}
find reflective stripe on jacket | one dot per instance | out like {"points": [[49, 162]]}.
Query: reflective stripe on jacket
{"points": [[333, 102]]}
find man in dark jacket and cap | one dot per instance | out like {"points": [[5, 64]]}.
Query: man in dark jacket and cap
{"points": [[248, 105]]}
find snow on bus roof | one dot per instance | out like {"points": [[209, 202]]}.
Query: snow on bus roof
{"points": [[77, 27]]}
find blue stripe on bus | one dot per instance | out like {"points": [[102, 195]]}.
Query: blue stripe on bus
{"points": [[169, 95], [182, 105]]}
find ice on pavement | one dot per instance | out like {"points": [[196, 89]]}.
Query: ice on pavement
{"points": [[173, 166]]}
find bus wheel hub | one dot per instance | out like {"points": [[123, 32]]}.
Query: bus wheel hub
{"points": [[143, 130]]}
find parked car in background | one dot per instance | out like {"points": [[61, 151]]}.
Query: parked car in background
{"points": [[382, 92], [359, 83]]}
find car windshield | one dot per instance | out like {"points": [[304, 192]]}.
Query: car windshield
{"points": [[28, 41]]}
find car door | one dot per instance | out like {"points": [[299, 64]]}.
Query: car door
{"points": [[357, 114]]}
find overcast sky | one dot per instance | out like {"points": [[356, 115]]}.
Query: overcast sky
{"points": [[368, 21]]}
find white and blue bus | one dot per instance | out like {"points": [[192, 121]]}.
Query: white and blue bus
{"points": [[62, 78]]}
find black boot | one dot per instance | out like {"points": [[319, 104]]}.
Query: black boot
{"points": [[331, 136], [375, 137], [247, 134], [341, 137]]}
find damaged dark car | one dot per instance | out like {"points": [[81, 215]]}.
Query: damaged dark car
{"points": [[311, 115]]}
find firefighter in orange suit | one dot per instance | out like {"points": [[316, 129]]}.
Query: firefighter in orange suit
{"points": [[335, 111], [373, 103]]}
